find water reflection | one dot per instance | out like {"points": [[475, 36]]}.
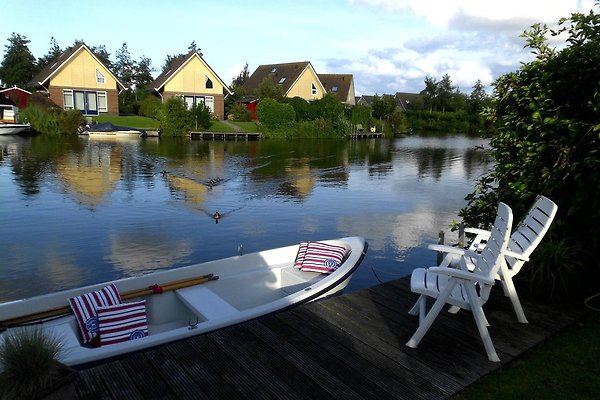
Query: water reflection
{"points": [[77, 211]]}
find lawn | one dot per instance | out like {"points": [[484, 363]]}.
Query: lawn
{"points": [[135, 121], [564, 367], [132, 121]]}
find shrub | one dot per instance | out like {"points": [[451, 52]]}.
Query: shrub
{"points": [[53, 121], [274, 115], [200, 117], [239, 112], [28, 358], [174, 117], [149, 107]]}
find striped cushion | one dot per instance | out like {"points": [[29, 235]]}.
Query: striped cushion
{"points": [[122, 322], [84, 307], [323, 257], [301, 253]]}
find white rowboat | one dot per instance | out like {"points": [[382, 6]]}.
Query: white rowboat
{"points": [[193, 302]]}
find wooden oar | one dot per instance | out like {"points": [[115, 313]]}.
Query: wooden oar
{"points": [[58, 311]]}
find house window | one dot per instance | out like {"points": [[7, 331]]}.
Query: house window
{"points": [[334, 89], [102, 102], [87, 101], [68, 99], [99, 77], [209, 84], [282, 80], [208, 101], [274, 70], [313, 89]]}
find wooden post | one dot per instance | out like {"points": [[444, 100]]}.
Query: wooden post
{"points": [[461, 234]]}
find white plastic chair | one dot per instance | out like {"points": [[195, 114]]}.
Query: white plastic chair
{"points": [[463, 288], [523, 241]]}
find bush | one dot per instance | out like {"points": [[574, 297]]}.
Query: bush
{"points": [[174, 117], [200, 117], [275, 116], [53, 121], [149, 107], [28, 358], [240, 113]]}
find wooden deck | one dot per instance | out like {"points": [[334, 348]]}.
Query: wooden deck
{"points": [[226, 135], [346, 347]]}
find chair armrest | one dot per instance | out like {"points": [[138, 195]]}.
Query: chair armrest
{"points": [[446, 249], [459, 273], [518, 256], [477, 231]]}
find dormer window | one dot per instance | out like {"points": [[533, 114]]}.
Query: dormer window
{"points": [[313, 89], [99, 77], [209, 83]]}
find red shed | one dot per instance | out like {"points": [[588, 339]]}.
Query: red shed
{"points": [[15, 96], [250, 103]]}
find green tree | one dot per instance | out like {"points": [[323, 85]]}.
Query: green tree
{"points": [[18, 65], [445, 92], [478, 98], [275, 115], [383, 107], [53, 53], [175, 119], [430, 93], [143, 74], [103, 55], [547, 116], [268, 89]]}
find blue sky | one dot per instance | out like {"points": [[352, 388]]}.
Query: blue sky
{"points": [[388, 45]]}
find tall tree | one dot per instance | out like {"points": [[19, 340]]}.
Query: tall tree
{"points": [[478, 97], [383, 107], [169, 61], [143, 74], [193, 47], [52, 55], [243, 76], [430, 93], [445, 90], [125, 67], [18, 66], [103, 55]]}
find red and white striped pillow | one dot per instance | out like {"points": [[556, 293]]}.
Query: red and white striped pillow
{"points": [[301, 253], [322, 257], [85, 306], [122, 322]]}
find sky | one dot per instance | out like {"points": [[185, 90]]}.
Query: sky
{"points": [[388, 45]]}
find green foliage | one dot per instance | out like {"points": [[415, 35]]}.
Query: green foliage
{"points": [[27, 356], [174, 117], [383, 107], [546, 115], [239, 112], [454, 122], [302, 108], [361, 115], [149, 106], [268, 89], [18, 64], [53, 121], [200, 117], [275, 116]]}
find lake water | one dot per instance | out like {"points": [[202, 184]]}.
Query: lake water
{"points": [[78, 211]]}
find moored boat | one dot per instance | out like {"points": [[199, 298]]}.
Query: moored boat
{"points": [[9, 121], [107, 129], [191, 300]]}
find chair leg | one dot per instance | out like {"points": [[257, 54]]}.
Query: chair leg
{"points": [[511, 292], [453, 309], [482, 324], [431, 315], [415, 309]]}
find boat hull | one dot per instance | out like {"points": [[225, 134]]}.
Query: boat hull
{"points": [[14, 129], [247, 287]]}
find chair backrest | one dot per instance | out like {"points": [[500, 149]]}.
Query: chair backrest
{"points": [[492, 255], [531, 230]]}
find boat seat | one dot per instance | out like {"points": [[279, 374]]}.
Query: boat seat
{"points": [[205, 302]]}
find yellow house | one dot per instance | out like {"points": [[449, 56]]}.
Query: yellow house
{"points": [[192, 79], [297, 79], [78, 80]]}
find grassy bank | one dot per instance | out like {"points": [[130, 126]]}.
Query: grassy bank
{"points": [[564, 367], [138, 122]]}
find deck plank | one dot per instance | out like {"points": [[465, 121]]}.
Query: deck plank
{"points": [[350, 346]]}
